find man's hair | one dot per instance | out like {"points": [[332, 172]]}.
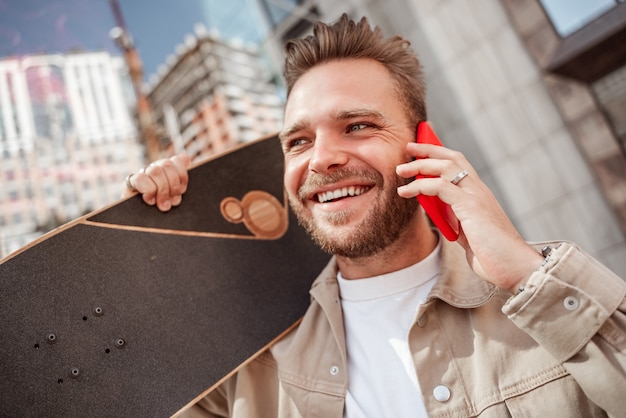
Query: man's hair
{"points": [[347, 39]]}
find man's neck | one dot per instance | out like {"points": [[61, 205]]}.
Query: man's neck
{"points": [[416, 243]]}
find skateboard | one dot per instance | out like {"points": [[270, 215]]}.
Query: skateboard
{"points": [[128, 311]]}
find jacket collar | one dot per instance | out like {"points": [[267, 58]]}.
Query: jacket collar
{"points": [[457, 284]]}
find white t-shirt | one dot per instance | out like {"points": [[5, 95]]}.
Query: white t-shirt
{"points": [[378, 313]]}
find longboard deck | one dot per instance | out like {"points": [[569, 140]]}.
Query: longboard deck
{"points": [[128, 311]]}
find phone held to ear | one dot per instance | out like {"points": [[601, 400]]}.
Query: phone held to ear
{"points": [[440, 213]]}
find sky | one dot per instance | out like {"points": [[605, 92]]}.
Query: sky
{"points": [[570, 15], [157, 26]]}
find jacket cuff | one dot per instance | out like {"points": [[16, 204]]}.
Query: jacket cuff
{"points": [[566, 301]]}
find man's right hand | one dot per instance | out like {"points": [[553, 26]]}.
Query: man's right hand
{"points": [[162, 183]]}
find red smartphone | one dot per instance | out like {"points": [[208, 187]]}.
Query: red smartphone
{"points": [[440, 213]]}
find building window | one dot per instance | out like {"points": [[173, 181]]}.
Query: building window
{"points": [[595, 49], [568, 16]]}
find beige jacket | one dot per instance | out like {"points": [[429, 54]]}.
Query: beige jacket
{"points": [[557, 349]]}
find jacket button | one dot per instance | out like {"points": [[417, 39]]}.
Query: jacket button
{"points": [[334, 370], [571, 303], [441, 393]]}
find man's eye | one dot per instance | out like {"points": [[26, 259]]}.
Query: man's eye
{"points": [[297, 142], [357, 127], [294, 143]]}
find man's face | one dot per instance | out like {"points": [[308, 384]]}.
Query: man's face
{"points": [[345, 132]]}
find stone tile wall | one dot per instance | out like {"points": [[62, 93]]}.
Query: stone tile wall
{"points": [[538, 140]]}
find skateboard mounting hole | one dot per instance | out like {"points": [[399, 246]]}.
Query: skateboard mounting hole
{"points": [[60, 381], [107, 350], [84, 318], [51, 338], [36, 346], [98, 311]]}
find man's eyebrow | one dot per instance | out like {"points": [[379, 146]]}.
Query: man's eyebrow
{"points": [[298, 126], [359, 113], [341, 115]]}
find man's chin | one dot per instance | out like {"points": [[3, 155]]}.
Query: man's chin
{"points": [[337, 219], [339, 239], [331, 244], [345, 246], [328, 235]]}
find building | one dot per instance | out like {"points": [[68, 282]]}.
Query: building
{"points": [[213, 94], [536, 102], [67, 138]]}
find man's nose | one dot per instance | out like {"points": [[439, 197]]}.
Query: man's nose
{"points": [[328, 153]]}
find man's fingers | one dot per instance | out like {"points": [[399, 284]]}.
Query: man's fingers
{"points": [[181, 163], [159, 176], [144, 185], [162, 182]]}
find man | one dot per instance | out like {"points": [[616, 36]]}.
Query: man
{"points": [[403, 322]]}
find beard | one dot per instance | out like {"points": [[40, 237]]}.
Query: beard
{"points": [[387, 218]]}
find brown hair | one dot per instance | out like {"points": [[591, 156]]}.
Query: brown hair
{"points": [[346, 39]]}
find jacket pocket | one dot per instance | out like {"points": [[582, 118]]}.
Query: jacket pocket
{"points": [[561, 398]]}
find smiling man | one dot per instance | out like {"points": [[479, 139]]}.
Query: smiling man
{"points": [[341, 155], [403, 323]]}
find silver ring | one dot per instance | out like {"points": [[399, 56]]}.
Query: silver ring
{"points": [[129, 184], [459, 176]]}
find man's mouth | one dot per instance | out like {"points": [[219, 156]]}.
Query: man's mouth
{"points": [[340, 193]]}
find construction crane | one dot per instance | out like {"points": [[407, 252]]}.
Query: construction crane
{"points": [[145, 118]]}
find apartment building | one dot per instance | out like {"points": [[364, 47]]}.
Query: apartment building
{"points": [[213, 94], [67, 138]]}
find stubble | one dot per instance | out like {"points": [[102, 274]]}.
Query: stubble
{"points": [[388, 216]]}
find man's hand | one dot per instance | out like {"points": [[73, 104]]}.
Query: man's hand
{"points": [[495, 250], [162, 183]]}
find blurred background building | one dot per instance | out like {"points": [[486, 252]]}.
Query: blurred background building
{"points": [[66, 138], [73, 124], [532, 91], [213, 94]]}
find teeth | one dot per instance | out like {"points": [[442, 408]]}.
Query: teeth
{"points": [[343, 192]]}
